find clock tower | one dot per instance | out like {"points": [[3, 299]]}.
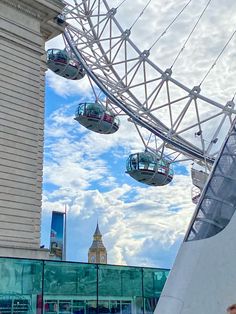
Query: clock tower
{"points": [[97, 252]]}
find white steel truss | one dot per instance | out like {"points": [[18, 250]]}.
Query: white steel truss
{"points": [[184, 120]]}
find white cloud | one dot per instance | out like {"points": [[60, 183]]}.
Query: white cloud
{"points": [[64, 87], [129, 216]]}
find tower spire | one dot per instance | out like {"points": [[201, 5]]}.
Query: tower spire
{"points": [[97, 231], [97, 252]]}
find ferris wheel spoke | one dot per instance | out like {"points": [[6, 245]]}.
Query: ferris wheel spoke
{"points": [[145, 86], [199, 133], [199, 123], [146, 83], [169, 103], [92, 6], [179, 119], [140, 135], [135, 68], [154, 93], [109, 51]]}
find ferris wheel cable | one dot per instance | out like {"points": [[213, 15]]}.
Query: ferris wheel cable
{"points": [[140, 14], [179, 144], [172, 22], [92, 86], [192, 31], [119, 5], [234, 96], [218, 57]]}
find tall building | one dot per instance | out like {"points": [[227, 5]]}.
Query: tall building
{"points": [[97, 252], [25, 25]]}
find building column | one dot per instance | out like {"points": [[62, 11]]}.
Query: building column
{"points": [[24, 28]]}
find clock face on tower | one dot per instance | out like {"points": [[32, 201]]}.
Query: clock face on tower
{"points": [[93, 259]]}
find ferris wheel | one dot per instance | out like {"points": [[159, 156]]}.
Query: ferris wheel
{"points": [[175, 122]]}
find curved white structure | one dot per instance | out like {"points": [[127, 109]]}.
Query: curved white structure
{"points": [[203, 279]]}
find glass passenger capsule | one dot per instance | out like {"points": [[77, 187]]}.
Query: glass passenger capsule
{"points": [[60, 63], [97, 118], [146, 168]]}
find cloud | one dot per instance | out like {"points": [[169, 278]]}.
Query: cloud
{"points": [[129, 215], [65, 87], [79, 168]]}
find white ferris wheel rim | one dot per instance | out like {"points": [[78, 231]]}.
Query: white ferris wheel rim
{"points": [[155, 126]]}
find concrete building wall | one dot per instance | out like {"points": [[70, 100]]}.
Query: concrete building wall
{"points": [[24, 27]]}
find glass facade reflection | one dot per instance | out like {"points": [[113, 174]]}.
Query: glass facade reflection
{"points": [[54, 287]]}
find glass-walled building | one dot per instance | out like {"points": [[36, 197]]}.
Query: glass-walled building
{"points": [[53, 287]]}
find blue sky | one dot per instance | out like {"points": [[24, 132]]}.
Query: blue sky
{"points": [[86, 171], [141, 225]]}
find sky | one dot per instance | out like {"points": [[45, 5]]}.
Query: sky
{"points": [[85, 171]]}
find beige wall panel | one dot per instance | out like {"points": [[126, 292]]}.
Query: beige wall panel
{"points": [[22, 121], [17, 151], [6, 62], [34, 202], [18, 209]]}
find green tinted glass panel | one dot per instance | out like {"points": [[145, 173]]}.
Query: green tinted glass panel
{"points": [[153, 283], [71, 288], [109, 281], [148, 283], [154, 280], [20, 286], [70, 278], [119, 281], [124, 284], [131, 281]]}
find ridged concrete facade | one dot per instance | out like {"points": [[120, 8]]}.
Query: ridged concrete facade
{"points": [[25, 25]]}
